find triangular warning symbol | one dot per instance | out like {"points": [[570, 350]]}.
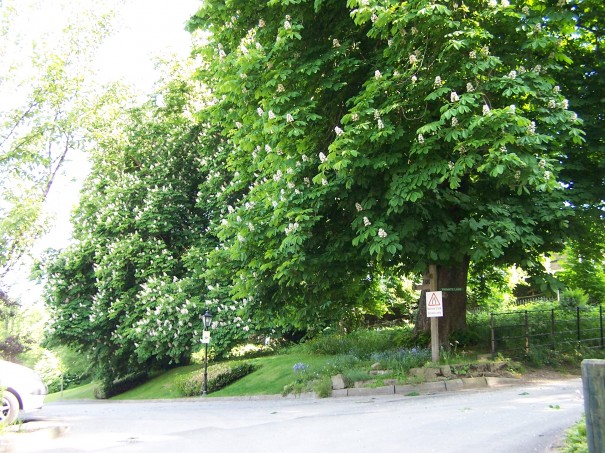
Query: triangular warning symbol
{"points": [[434, 301]]}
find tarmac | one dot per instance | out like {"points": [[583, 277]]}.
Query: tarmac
{"points": [[17, 437]]}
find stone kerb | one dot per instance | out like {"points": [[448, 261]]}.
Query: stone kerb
{"points": [[445, 378]]}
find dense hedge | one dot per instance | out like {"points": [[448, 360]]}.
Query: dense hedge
{"points": [[219, 376], [108, 389]]}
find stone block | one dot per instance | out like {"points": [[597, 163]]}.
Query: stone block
{"points": [[338, 382], [501, 381], [454, 385], [431, 387], [340, 393], [446, 371], [430, 374], [405, 389], [495, 367], [474, 383], [417, 373], [369, 391]]}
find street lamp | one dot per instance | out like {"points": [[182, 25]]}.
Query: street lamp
{"points": [[207, 319]]}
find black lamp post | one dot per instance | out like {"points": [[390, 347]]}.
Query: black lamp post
{"points": [[207, 318]]}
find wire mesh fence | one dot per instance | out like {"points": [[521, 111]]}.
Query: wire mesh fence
{"points": [[516, 333]]}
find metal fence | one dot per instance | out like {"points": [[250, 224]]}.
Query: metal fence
{"points": [[518, 332]]}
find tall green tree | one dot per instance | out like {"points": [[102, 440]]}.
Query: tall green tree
{"points": [[584, 171], [124, 292], [48, 104], [378, 134]]}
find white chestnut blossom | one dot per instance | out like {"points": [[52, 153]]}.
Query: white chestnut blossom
{"points": [[486, 109], [338, 131], [289, 118], [382, 233], [366, 221]]}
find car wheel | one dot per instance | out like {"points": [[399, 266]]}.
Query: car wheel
{"points": [[10, 408]]}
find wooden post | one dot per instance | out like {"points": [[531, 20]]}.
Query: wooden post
{"points": [[593, 380], [434, 320]]}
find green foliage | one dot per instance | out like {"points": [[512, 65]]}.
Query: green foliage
{"points": [[576, 439], [124, 293], [219, 376], [359, 138], [402, 360], [584, 266], [338, 146], [48, 106], [360, 343], [106, 389], [571, 298], [62, 368]]}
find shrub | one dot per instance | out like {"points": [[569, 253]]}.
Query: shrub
{"points": [[571, 298], [361, 343], [219, 376], [402, 360], [576, 438], [108, 389], [323, 387]]}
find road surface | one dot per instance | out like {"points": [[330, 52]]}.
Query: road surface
{"points": [[528, 418]]}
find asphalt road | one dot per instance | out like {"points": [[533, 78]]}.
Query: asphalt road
{"points": [[518, 419]]}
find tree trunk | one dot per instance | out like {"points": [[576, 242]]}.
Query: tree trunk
{"points": [[452, 281]]}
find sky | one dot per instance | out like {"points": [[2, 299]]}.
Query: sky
{"points": [[145, 30]]}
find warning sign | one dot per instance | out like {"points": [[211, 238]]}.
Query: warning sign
{"points": [[434, 304]]}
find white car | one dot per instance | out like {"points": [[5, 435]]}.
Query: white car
{"points": [[21, 388]]}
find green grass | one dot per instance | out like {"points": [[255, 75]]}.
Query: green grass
{"points": [[159, 387], [83, 392], [273, 374]]}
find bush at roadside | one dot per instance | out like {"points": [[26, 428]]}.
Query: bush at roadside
{"points": [[219, 376]]}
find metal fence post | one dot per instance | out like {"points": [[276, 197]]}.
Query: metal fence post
{"points": [[552, 329], [601, 323], [526, 332], [494, 335]]}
